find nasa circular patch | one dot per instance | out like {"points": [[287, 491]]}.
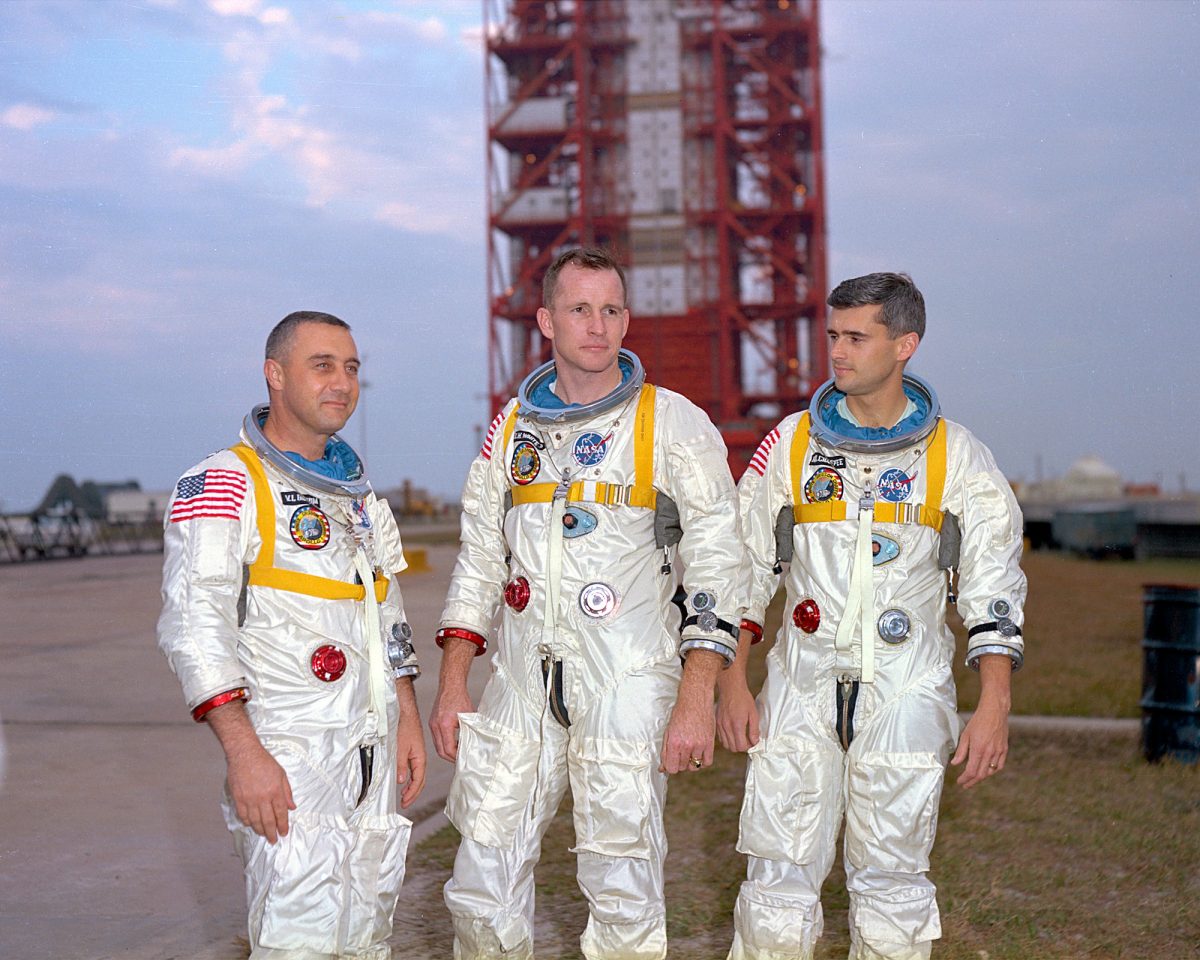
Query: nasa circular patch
{"points": [[825, 484], [590, 449], [310, 527], [895, 485], [525, 463]]}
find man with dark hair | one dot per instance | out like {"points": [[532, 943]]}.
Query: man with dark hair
{"points": [[283, 620], [587, 484], [876, 503]]}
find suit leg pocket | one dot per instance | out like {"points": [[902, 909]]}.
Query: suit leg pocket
{"points": [[493, 780], [789, 786], [305, 881], [613, 796], [376, 873], [892, 813]]}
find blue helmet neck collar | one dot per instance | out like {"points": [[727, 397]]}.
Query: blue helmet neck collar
{"points": [[539, 402], [339, 471], [836, 431]]}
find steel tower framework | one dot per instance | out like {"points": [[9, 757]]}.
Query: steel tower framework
{"points": [[685, 135]]}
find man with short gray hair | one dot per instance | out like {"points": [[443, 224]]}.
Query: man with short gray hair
{"points": [[284, 622]]}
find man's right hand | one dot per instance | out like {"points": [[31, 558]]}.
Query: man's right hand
{"points": [[737, 716], [258, 786], [452, 699], [452, 696], [261, 793]]}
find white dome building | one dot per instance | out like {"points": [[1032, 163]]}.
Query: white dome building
{"points": [[1090, 478]]}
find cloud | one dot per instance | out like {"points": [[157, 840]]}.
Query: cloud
{"points": [[271, 16], [364, 131], [431, 29], [26, 116]]}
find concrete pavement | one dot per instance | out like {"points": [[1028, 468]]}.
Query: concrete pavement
{"points": [[111, 842]]}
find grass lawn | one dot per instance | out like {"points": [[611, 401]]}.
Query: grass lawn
{"points": [[1079, 849]]}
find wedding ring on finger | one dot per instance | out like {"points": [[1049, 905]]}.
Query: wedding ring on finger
{"points": [[697, 762]]}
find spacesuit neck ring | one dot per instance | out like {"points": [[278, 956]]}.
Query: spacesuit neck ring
{"points": [[916, 389], [253, 435], [537, 380]]}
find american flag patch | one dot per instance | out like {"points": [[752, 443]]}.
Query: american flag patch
{"points": [[213, 493], [758, 462], [486, 450]]}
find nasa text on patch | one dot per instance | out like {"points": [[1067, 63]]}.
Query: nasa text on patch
{"points": [[895, 485], [590, 449]]}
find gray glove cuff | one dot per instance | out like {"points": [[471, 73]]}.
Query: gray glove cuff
{"points": [[973, 655], [704, 643]]}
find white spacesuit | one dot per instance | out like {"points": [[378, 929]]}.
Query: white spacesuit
{"points": [[263, 600], [858, 712], [567, 519]]}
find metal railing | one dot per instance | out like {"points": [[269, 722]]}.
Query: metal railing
{"points": [[46, 536]]}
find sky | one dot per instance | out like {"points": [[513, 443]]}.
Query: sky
{"points": [[177, 175]]}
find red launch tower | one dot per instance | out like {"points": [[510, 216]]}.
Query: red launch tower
{"points": [[684, 135]]}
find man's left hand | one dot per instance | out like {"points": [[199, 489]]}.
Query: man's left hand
{"points": [[688, 742], [983, 745], [410, 746]]}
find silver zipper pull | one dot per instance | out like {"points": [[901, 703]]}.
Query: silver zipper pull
{"points": [[564, 485], [866, 503]]}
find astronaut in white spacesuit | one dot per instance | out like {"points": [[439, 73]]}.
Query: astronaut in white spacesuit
{"points": [[303, 673], [586, 486], [873, 499]]}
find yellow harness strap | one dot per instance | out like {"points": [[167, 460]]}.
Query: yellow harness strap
{"points": [[640, 494], [928, 514], [264, 573]]}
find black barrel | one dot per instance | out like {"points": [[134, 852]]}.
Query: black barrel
{"points": [[1170, 685]]}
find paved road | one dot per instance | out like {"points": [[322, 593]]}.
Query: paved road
{"points": [[111, 843]]}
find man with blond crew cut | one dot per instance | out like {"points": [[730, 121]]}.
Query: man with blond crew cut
{"points": [[588, 483]]}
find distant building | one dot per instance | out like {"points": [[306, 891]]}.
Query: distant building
{"points": [[1091, 510], [87, 499], [135, 506], [1089, 478], [409, 502]]}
